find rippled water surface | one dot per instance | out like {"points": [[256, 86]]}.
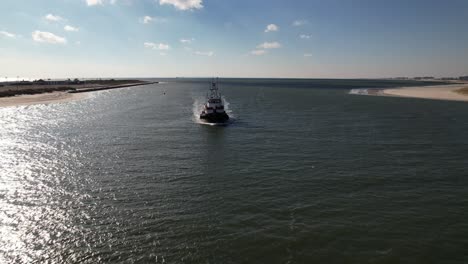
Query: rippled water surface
{"points": [[305, 174]]}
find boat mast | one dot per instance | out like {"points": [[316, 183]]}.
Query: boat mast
{"points": [[214, 88]]}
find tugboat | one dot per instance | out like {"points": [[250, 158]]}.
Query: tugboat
{"points": [[213, 110]]}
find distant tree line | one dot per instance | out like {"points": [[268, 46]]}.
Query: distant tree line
{"points": [[462, 78]]}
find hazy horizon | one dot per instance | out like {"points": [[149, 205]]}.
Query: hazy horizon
{"points": [[12, 79]]}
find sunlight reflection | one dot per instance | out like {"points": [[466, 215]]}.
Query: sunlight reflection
{"points": [[34, 166]]}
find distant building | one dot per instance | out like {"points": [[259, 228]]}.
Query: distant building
{"points": [[424, 78], [463, 78], [40, 82]]}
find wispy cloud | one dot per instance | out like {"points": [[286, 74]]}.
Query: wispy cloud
{"points": [[53, 18], [7, 34], [304, 36], [307, 55], [269, 45], [204, 53], [47, 37], [187, 41], [183, 4], [299, 23], [156, 46], [70, 28], [258, 52], [271, 28]]}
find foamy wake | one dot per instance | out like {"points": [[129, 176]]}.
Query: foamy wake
{"points": [[198, 108], [226, 108]]}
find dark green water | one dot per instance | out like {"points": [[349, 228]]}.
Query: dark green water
{"points": [[306, 173]]}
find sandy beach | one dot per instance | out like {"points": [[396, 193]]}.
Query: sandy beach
{"points": [[45, 98], [436, 92]]}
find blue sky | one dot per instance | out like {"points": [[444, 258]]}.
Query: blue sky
{"points": [[227, 38]]}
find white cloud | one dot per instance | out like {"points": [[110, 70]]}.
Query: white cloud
{"points": [[156, 46], [307, 55], [94, 2], [146, 19], [258, 52], [53, 18], [183, 4], [204, 53], [271, 27], [103, 2], [70, 28], [149, 19], [149, 45], [269, 45], [299, 23], [7, 34], [304, 36], [47, 37], [187, 41], [163, 46]]}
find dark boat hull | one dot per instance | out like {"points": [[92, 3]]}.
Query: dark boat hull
{"points": [[215, 118]]}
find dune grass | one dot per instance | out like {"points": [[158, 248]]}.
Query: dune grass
{"points": [[10, 92], [463, 91]]}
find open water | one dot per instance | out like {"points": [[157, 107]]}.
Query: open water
{"points": [[305, 173]]}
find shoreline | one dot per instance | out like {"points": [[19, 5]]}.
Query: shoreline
{"points": [[94, 89], [438, 92], [44, 96]]}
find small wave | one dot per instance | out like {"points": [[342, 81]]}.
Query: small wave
{"points": [[366, 91], [359, 91]]}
